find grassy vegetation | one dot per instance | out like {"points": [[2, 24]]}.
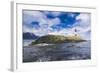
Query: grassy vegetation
{"points": [[74, 38], [57, 39]]}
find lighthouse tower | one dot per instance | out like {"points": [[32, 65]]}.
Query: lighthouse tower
{"points": [[75, 32]]}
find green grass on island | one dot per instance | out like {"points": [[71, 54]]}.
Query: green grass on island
{"points": [[53, 39]]}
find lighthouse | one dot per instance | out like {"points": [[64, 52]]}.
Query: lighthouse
{"points": [[75, 32]]}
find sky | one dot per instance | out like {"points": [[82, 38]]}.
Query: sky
{"points": [[57, 23]]}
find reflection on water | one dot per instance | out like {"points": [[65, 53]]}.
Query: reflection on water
{"points": [[56, 52]]}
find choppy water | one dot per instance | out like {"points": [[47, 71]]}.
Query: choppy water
{"points": [[56, 52]]}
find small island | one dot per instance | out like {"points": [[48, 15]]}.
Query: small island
{"points": [[54, 39]]}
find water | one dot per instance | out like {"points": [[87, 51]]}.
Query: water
{"points": [[27, 42], [56, 52]]}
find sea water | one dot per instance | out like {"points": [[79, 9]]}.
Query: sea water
{"points": [[56, 52]]}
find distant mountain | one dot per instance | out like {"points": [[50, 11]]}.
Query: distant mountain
{"points": [[28, 35], [57, 39]]}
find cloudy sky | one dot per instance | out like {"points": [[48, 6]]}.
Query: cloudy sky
{"points": [[58, 23]]}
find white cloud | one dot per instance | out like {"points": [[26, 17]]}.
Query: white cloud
{"points": [[44, 23], [30, 16], [84, 16], [54, 13], [26, 29], [83, 24], [83, 27], [54, 21], [63, 32], [84, 20], [45, 28], [36, 14]]}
